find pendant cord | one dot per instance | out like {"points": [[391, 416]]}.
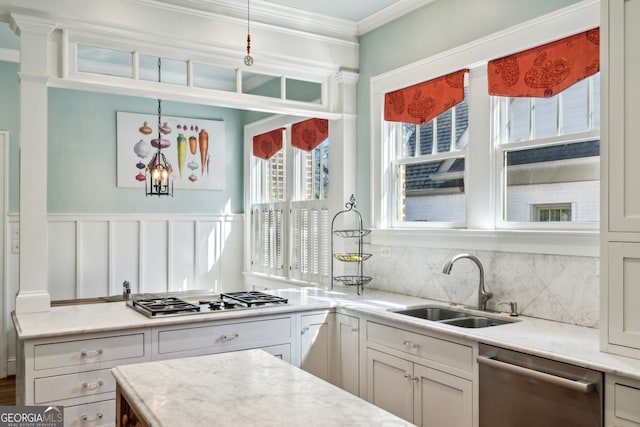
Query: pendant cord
{"points": [[159, 105]]}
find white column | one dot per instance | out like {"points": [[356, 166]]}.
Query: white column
{"points": [[33, 295], [342, 137]]}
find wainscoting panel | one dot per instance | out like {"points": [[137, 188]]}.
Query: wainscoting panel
{"points": [[92, 255], [124, 255]]}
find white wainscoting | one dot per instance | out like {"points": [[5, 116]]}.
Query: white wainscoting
{"points": [[91, 255]]}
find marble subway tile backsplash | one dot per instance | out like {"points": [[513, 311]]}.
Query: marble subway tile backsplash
{"points": [[560, 288]]}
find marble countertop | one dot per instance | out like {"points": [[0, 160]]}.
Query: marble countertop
{"points": [[245, 388], [559, 341]]}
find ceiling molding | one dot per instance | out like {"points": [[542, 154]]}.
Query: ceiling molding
{"points": [[390, 13]]}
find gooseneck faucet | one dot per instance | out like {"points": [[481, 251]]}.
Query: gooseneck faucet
{"points": [[483, 295]]}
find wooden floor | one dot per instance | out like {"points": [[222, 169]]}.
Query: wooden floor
{"points": [[8, 391]]}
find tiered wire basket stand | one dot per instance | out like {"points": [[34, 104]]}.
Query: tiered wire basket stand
{"points": [[353, 259]]}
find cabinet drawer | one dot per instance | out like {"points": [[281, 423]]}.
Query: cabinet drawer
{"points": [[626, 403], [60, 387], [218, 337], [447, 353], [101, 413], [88, 352]]}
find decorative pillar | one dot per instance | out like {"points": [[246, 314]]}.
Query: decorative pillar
{"points": [[342, 134], [34, 32]]}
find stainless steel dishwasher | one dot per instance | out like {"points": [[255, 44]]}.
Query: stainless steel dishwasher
{"points": [[521, 390]]}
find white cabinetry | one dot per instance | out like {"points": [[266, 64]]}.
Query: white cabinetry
{"points": [[620, 150], [621, 402], [314, 343], [423, 379], [271, 334], [345, 362], [75, 372]]}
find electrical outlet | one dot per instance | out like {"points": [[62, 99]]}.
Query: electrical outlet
{"points": [[15, 246]]}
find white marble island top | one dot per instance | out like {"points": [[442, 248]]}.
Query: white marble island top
{"points": [[245, 388]]}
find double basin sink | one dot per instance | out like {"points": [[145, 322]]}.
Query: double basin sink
{"points": [[454, 317]]}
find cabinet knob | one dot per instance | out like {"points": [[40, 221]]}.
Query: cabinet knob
{"points": [[305, 329], [92, 386], [91, 353], [88, 419], [407, 376]]}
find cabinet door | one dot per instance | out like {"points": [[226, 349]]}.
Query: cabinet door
{"points": [[621, 118], [621, 402], [441, 400], [314, 344], [624, 294], [390, 383], [345, 369]]}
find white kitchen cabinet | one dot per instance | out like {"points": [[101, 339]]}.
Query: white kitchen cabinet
{"points": [[621, 402], [274, 334], [423, 379], [620, 150], [75, 372], [345, 354], [314, 342]]}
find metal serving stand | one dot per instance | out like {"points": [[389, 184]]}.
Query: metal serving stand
{"points": [[353, 260]]}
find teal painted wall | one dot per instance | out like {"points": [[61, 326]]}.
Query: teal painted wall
{"points": [[435, 28], [82, 153], [82, 157], [10, 122]]}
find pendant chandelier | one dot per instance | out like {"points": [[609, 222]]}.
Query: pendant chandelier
{"points": [[159, 178], [248, 60]]}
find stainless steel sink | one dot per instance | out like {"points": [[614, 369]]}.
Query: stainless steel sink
{"points": [[453, 316], [476, 322], [433, 313]]}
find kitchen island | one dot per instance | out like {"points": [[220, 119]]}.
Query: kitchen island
{"points": [[243, 388]]}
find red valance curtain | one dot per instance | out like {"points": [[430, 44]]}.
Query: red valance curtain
{"points": [[309, 134], [547, 70], [267, 144], [420, 103]]}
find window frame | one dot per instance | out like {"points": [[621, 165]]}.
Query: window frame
{"points": [[481, 179]]}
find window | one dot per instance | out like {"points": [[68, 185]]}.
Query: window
{"points": [[429, 168], [549, 150], [289, 216], [558, 212], [509, 145]]}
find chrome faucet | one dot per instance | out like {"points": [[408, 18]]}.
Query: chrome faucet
{"points": [[483, 295]]}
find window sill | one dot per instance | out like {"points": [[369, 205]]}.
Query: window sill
{"points": [[576, 243]]}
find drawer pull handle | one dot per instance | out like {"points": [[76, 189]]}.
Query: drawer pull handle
{"points": [[88, 419], [305, 329], [91, 353], [92, 386], [230, 337], [408, 343]]}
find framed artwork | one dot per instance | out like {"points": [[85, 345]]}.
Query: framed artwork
{"points": [[194, 147]]}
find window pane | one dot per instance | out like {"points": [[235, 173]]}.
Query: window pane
{"points": [[568, 174], [546, 117], [105, 61], [301, 90], [171, 70], [575, 108], [261, 84], [212, 77], [408, 148], [426, 138], [444, 131], [432, 191], [314, 172], [595, 101], [519, 119]]}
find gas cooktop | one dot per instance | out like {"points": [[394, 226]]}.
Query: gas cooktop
{"points": [[159, 305]]}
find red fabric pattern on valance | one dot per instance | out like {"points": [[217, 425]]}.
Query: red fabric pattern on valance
{"points": [[420, 103], [547, 70], [309, 134], [267, 144]]}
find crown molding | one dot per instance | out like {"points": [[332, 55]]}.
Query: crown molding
{"points": [[390, 13]]}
